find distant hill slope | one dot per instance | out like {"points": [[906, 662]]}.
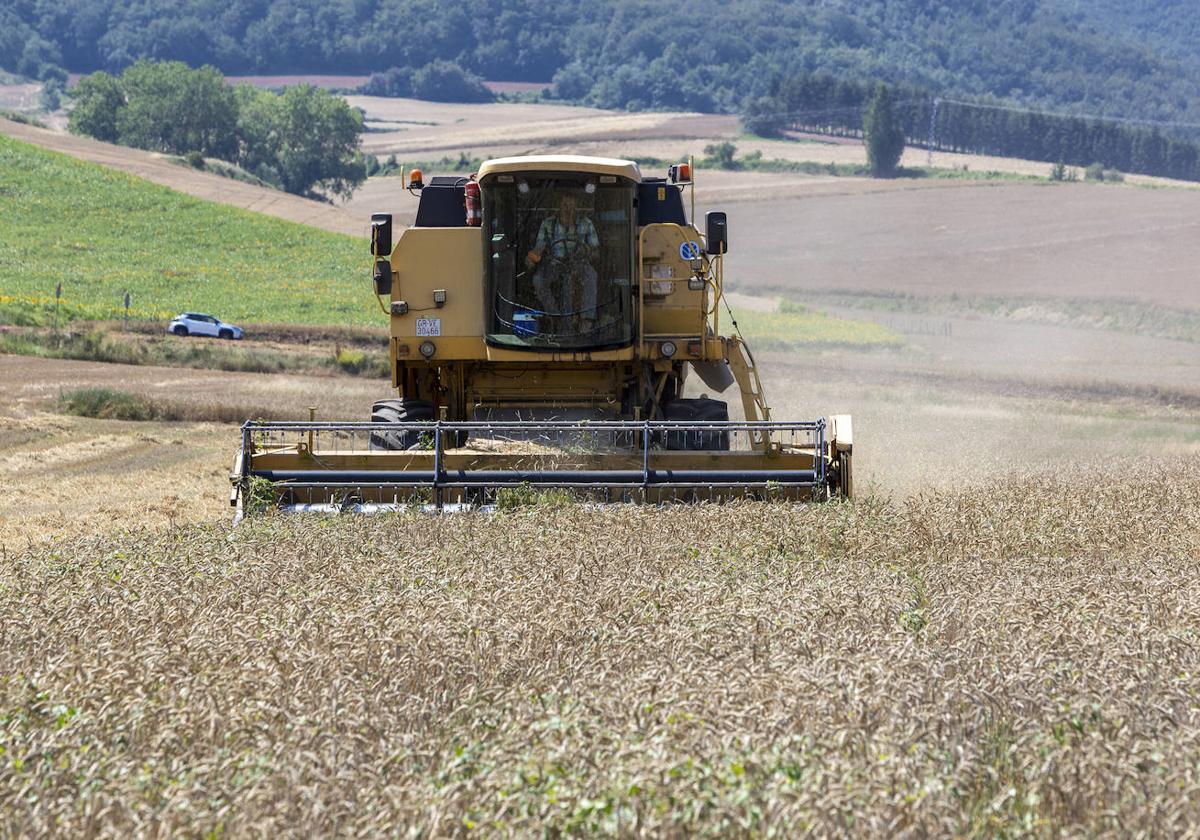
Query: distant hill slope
{"points": [[100, 233], [1123, 59], [205, 185]]}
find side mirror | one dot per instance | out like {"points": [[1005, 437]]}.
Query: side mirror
{"points": [[716, 234], [381, 234], [383, 278]]}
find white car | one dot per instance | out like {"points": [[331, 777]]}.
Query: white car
{"points": [[194, 323]]}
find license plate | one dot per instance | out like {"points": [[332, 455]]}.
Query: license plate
{"points": [[429, 326]]}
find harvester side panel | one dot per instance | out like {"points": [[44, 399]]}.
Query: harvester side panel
{"points": [[449, 260]]}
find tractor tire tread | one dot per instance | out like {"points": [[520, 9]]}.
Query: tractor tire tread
{"points": [[399, 411]]}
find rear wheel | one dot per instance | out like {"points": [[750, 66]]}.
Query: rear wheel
{"points": [[401, 411], [180, 329], [699, 410]]}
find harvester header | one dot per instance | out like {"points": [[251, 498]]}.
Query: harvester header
{"points": [[554, 321]]}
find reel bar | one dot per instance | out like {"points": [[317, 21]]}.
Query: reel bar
{"points": [[283, 459]]}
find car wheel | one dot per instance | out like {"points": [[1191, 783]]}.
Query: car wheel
{"points": [[180, 329], [225, 334]]}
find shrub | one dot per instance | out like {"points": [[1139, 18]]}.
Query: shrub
{"points": [[351, 361], [106, 404], [358, 363], [721, 154], [1095, 172], [18, 117], [445, 81], [194, 160], [52, 95], [395, 81], [762, 117], [572, 82], [509, 499]]}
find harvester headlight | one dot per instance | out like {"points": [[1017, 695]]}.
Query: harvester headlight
{"points": [[667, 348], [427, 348]]}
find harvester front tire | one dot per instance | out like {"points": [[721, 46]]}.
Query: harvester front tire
{"points": [[699, 410], [399, 411]]}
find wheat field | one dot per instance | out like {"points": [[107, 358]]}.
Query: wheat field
{"points": [[1016, 659]]}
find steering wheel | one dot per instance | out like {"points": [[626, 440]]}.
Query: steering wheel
{"points": [[574, 254]]}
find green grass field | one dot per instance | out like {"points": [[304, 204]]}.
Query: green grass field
{"points": [[101, 233], [795, 326]]}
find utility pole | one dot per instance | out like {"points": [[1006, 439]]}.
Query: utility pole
{"points": [[57, 297], [127, 311]]}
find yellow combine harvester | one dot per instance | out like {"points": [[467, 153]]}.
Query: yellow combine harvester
{"points": [[546, 316]]}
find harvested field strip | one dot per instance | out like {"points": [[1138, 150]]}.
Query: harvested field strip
{"points": [[158, 349], [1119, 395], [112, 404], [1128, 315], [1019, 659]]}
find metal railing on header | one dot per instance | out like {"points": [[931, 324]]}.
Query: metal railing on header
{"points": [[641, 439]]}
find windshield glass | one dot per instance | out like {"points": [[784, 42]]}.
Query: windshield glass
{"points": [[560, 261]]}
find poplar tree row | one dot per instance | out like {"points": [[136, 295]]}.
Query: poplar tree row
{"points": [[821, 104]]}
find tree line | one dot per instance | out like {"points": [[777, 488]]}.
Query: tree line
{"points": [[823, 104], [705, 55], [303, 140]]}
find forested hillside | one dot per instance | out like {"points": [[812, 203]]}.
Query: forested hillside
{"points": [[700, 54], [1170, 27]]}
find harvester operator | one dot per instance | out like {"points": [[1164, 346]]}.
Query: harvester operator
{"points": [[572, 243]]}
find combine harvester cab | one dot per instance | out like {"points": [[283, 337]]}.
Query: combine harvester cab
{"points": [[546, 315]]}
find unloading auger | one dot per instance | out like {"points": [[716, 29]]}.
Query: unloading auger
{"points": [[546, 314]]}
